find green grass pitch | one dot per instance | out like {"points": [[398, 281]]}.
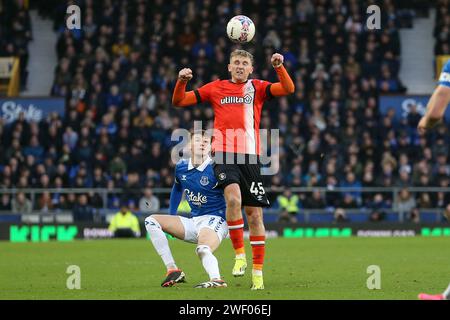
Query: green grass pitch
{"points": [[294, 269]]}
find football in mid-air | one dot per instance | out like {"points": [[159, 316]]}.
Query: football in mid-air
{"points": [[240, 29]]}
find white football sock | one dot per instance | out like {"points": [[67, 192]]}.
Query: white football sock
{"points": [[209, 261], [447, 293], [159, 240]]}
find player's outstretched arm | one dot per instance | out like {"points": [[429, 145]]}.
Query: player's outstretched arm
{"points": [[175, 198], [180, 97], [435, 108], [286, 85]]}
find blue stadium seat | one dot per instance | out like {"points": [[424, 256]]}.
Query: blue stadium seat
{"points": [[12, 218], [357, 217], [430, 217], [392, 217]]}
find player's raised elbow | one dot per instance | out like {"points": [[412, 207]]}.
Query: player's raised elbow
{"points": [[439, 103], [176, 102], [291, 89]]}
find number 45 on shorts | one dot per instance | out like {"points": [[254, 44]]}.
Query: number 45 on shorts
{"points": [[257, 189]]}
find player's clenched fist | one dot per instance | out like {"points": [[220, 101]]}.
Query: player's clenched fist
{"points": [[427, 123], [277, 60], [185, 74], [422, 126]]}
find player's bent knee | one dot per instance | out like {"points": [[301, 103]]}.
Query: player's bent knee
{"points": [[255, 220], [233, 195], [202, 249], [209, 238], [233, 202], [150, 222]]}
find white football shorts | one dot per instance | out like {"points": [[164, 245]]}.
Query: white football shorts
{"points": [[192, 227]]}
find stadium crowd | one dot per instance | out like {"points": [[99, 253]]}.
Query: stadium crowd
{"points": [[117, 74], [442, 28]]}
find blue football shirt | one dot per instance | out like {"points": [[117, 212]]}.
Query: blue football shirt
{"points": [[200, 187]]}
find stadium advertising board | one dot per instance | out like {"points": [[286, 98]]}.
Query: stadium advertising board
{"points": [[35, 109], [402, 105], [70, 232]]}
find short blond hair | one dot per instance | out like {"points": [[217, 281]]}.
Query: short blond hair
{"points": [[241, 53]]}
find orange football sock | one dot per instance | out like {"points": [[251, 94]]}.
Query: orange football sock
{"points": [[236, 229], [258, 250]]}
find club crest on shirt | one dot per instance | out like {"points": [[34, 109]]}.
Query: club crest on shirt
{"points": [[204, 181], [183, 177], [222, 176]]}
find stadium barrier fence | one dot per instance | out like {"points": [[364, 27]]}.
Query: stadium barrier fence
{"points": [[304, 215]]}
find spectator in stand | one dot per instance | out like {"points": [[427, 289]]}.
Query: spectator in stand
{"points": [[132, 187], [70, 138], [405, 202], [413, 116], [315, 201], [99, 179], [414, 216], [378, 208], [348, 202], [44, 203], [21, 204], [71, 202], [5, 202], [446, 214], [379, 203], [442, 28], [377, 216], [124, 223], [147, 100], [82, 211], [289, 205], [34, 149], [340, 215], [355, 195], [424, 201], [149, 203]]}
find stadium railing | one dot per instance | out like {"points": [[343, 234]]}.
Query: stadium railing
{"points": [[307, 215]]}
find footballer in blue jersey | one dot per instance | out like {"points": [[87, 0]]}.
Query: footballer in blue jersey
{"points": [[207, 227], [200, 188], [438, 101], [434, 114]]}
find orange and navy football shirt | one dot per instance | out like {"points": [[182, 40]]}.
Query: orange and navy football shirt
{"points": [[237, 113]]}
